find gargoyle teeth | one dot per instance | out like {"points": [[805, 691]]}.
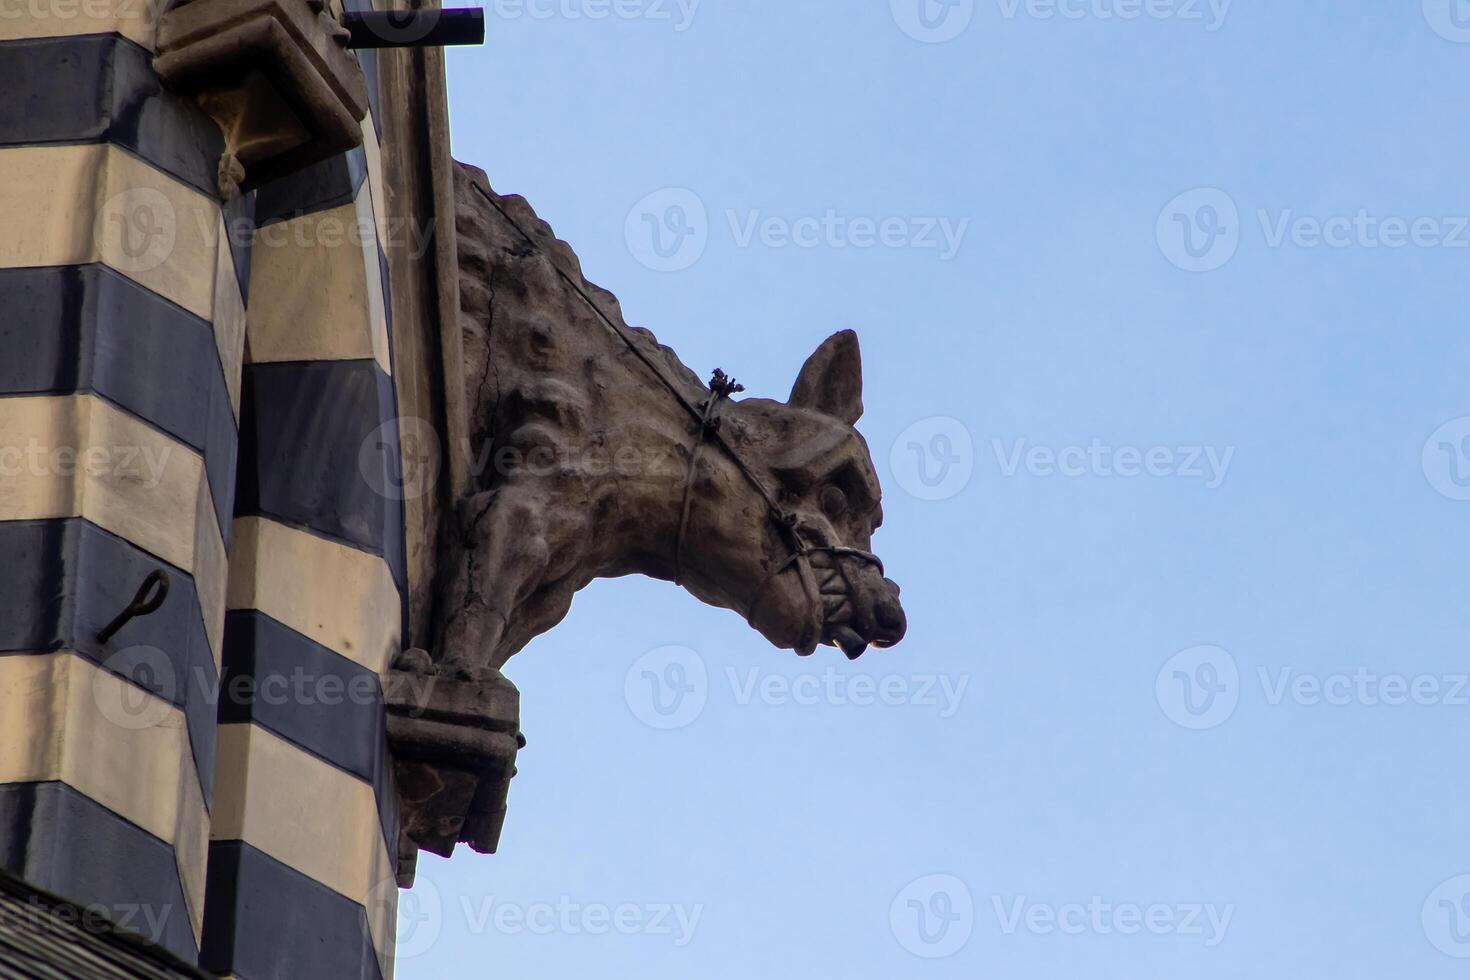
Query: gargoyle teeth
{"points": [[849, 641]]}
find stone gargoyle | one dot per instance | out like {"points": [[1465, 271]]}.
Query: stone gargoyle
{"points": [[598, 454]]}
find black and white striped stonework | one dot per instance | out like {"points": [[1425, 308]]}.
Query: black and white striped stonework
{"points": [[119, 350], [221, 762], [316, 587]]}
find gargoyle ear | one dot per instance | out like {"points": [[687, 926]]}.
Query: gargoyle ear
{"points": [[831, 380]]}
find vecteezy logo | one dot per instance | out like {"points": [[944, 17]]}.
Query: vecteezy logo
{"points": [[148, 699], [400, 459], [933, 916], [419, 915], [404, 28], [668, 230], [136, 230], [933, 21], [667, 688], [1199, 231], [1446, 917], [1446, 459], [1450, 19], [934, 458], [1199, 688]]}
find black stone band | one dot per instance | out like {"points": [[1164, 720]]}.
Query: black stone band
{"points": [[328, 184], [122, 871], [101, 88], [315, 453], [265, 919], [71, 329], [64, 580], [312, 697]]}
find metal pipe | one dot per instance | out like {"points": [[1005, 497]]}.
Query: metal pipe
{"points": [[414, 28]]}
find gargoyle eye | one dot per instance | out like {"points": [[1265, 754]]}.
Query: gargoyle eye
{"points": [[834, 501]]}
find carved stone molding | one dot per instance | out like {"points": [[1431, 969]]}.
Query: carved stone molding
{"points": [[454, 745], [276, 76]]}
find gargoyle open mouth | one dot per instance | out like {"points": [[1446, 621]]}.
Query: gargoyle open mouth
{"points": [[837, 610], [855, 613]]}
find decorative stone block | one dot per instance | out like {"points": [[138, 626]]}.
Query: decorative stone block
{"points": [[454, 745], [277, 77]]}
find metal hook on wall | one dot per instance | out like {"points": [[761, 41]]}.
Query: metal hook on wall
{"points": [[149, 597]]}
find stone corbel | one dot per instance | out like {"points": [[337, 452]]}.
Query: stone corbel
{"points": [[454, 745], [277, 77]]}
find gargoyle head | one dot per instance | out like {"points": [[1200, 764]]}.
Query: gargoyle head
{"points": [[801, 572]]}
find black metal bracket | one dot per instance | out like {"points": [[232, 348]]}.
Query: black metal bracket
{"points": [[143, 603], [414, 28]]}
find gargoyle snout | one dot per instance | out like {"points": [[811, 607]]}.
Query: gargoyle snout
{"points": [[889, 621], [874, 617]]}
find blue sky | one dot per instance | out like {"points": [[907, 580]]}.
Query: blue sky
{"points": [[1172, 431]]}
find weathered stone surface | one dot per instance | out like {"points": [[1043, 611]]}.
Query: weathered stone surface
{"points": [[454, 749], [418, 183], [275, 75], [591, 451], [583, 445]]}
